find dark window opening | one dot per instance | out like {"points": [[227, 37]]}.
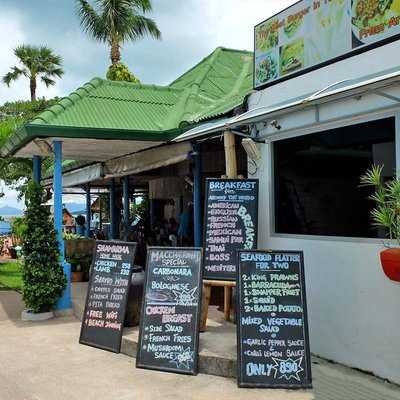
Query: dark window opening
{"points": [[317, 179]]}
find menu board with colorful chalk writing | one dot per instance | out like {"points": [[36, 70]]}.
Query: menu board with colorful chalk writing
{"points": [[231, 213], [273, 347], [169, 326], [103, 318]]}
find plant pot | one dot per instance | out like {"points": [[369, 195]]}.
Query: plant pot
{"points": [[390, 260], [29, 315], [78, 246], [77, 276]]}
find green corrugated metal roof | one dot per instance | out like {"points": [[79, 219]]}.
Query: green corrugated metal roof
{"points": [[110, 105], [218, 84], [103, 109]]}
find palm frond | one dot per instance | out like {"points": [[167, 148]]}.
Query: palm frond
{"points": [[379, 196], [140, 26], [372, 177], [47, 57], [116, 21], [386, 196], [25, 51], [383, 216], [115, 17], [393, 190], [144, 5], [47, 81], [91, 22], [37, 62], [13, 75], [27, 56]]}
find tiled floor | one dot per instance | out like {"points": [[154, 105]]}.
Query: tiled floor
{"points": [[44, 361]]}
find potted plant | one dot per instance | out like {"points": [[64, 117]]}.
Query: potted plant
{"points": [[386, 215], [75, 244], [43, 276]]}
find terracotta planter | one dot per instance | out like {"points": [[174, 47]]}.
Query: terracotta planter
{"points": [[390, 260], [77, 276]]}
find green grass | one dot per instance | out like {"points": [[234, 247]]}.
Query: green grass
{"points": [[11, 276]]}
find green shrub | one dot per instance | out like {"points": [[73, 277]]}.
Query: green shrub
{"points": [[43, 276], [16, 171], [25, 110], [386, 197], [120, 72], [71, 236], [19, 227]]}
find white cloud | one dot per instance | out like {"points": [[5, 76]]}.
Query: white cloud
{"points": [[13, 34], [191, 29], [234, 20], [74, 198], [10, 197]]}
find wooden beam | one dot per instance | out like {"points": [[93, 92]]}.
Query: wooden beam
{"points": [[208, 282], [230, 155]]}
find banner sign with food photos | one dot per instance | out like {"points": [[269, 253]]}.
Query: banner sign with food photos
{"points": [[313, 33]]}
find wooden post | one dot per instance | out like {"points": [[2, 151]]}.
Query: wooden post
{"points": [[204, 306], [230, 155], [230, 172], [227, 302]]}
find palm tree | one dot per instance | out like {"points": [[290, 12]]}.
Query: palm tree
{"points": [[117, 21], [35, 62]]}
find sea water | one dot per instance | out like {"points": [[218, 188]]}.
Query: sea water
{"points": [[5, 227]]}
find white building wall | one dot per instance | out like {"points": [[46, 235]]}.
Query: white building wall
{"points": [[354, 309]]}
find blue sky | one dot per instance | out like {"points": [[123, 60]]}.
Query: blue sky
{"points": [[191, 30]]}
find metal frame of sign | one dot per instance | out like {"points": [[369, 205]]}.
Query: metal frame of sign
{"points": [[221, 278], [108, 242], [358, 50], [307, 357], [139, 364]]}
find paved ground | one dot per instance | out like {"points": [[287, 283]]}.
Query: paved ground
{"points": [[43, 361]]}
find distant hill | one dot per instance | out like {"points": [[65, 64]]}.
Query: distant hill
{"points": [[74, 208], [8, 211]]}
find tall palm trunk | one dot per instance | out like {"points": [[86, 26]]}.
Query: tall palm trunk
{"points": [[115, 54], [33, 88]]}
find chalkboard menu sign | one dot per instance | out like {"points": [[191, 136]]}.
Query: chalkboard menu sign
{"points": [[231, 213], [273, 347], [103, 318], [169, 326]]}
